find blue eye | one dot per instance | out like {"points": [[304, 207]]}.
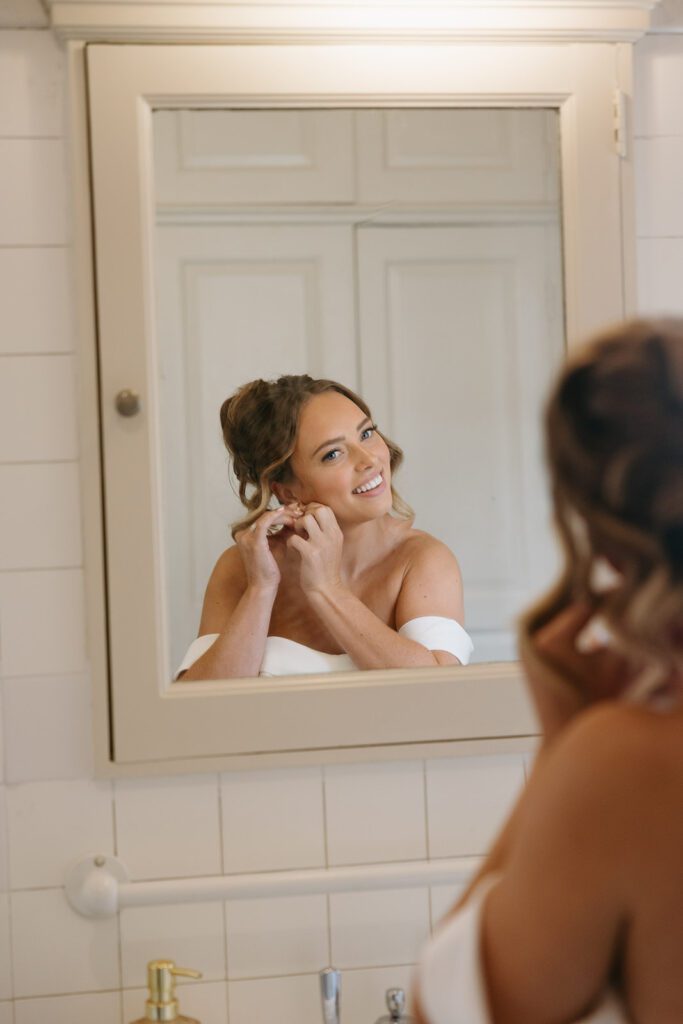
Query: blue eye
{"points": [[331, 455], [367, 432]]}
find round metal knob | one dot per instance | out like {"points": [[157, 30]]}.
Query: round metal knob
{"points": [[127, 402]]}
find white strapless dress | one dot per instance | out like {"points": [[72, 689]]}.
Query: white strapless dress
{"points": [[451, 978], [284, 657]]}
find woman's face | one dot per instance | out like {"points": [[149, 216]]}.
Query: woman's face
{"points": [[340, 460]]}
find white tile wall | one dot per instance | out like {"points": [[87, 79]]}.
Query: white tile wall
{"points": [[288, 935], [43, 620], [4, 842], [269, 820], [52, 824], [295, 999], [6, 991], [40, 519], [658, 127], [75, 953], [35, 214], [260, 806], [48, 723], [372, 929], [102, 1007], [30, 326], [168, 828], [468, 800], [660, 273], [31, 85], [390, 798], [192, 934], [37, 408]]}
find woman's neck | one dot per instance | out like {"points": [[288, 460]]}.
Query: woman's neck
{"points": [[364, 544]]}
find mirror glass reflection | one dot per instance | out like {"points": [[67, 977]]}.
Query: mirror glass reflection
{"points": [[415, 256]]}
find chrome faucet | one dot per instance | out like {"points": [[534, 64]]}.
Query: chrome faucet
{"points": [[330, 993], [396, 1004]]}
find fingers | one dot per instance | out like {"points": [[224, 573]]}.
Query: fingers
{"points": [[296, 543], [277, 517], [320, 517], [562, 631]]}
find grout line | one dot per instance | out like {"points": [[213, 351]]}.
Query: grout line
{"points": [[119, 933], [323, 786], [224, 914], [328, 903], [426, 811], [427, 843], [207, 981]]}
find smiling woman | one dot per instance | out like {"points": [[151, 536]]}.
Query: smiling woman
{"points": [[335, 577]]}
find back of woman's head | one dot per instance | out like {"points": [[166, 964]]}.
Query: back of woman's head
{"points": [[615, 451], [260, 422]]}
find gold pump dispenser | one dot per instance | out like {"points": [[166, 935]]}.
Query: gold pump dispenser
{"points": [[162, 1004]]}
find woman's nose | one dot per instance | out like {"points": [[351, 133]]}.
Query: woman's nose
{"points": [[364, 459]]}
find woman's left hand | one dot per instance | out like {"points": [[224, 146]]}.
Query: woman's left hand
{"points": [[318, 542]]}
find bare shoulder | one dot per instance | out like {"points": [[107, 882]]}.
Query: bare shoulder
{"points": [[619, 757], [228, 572], [226, 585], [420, 549], [624, 740], [432, 583]]}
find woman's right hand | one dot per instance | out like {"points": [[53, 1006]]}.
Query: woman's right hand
{"points": [[565, 676], [254, 544]]}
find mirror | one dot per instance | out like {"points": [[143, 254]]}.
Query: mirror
{"points": [[412, 254], [366, 213]]}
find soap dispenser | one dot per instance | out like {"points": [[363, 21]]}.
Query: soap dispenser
{"points": [[162, 1004]]}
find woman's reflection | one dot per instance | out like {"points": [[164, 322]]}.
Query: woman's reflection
{"points": [[336, 577]]}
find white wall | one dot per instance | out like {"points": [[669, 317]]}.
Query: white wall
{"points": [[260, 959]]}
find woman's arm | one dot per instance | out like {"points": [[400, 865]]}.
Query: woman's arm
{"points": [[239, 602], [431, 586], [562, 681], [553, 924]]}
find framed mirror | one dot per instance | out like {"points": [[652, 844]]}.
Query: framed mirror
{"points": [[430, 225]]}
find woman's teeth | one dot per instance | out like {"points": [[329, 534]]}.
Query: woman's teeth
{"points": [[369, 486]]}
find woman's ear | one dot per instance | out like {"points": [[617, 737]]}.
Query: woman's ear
{"points": [[284, 494]]}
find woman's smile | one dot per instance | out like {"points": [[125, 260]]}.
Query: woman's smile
{"points": [[371, 488]]}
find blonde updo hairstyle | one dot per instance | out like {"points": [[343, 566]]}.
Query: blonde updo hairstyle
{"points": [[260, 422], [614, 434]]}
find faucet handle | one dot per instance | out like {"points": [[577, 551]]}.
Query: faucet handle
{"points": [[330, 992], [396, 1002]]}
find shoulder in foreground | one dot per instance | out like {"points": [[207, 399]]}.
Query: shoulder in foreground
{"points": [[616, 746]]}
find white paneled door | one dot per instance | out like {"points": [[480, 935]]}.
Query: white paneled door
{"points": [[234, 303], [460, 332]]}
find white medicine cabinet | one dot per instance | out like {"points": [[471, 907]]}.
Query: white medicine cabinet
{"points": [[301, 208]]}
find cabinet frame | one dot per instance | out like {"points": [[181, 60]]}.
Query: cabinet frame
{"points": [[159, 730]]}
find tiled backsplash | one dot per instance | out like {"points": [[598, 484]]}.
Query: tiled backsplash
{"points": [[260, 957]]}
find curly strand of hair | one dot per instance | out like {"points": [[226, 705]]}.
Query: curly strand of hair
{"points": [[615, 451]]}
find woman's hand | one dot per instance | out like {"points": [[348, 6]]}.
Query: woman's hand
{"points": [[590, 672], [256, 546], [318, 542]]}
